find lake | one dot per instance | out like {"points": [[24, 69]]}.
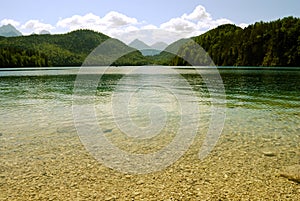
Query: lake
{"points": [[50, 119]]}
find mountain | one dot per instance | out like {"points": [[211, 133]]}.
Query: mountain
{"points": [[9, 31], [69, 49], [159, 46], [275, 43], [168, 55], [139, 45], [175, 46], [147, 50], [44, 32]]}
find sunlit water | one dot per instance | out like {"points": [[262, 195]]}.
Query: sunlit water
{"points": [[37, 123], [260, 102]]}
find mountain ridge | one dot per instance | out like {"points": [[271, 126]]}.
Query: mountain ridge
{"points": [[9, 31], [139, 45], [275, 43], [145, 49], [70, 49]]}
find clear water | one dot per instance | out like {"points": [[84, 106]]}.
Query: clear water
{"points": [[42, 157], [36, 105]]}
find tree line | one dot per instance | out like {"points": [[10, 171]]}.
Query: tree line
{"points": [[69, 49], [275, 43], [12, 57]]}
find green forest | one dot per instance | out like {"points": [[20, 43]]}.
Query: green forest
{"points": [[69, 49], [275, 43]]}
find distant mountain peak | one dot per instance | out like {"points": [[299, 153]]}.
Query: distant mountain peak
{"points": [[9, 31], [44, 32], [8, 26], [138, 44], [147, 50]]}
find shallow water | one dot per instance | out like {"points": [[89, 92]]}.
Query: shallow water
{"points": [[37, 122], [33, 98]]}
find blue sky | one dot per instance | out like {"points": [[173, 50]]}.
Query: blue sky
{"points": [[186, 18]]}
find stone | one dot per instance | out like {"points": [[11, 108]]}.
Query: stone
{"points": [[128, 176], [110, 198], [292, 173], [140, 182], [269, 153], [108, 131]]}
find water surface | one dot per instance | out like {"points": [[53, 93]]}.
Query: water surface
{"points": [[262, 114]]}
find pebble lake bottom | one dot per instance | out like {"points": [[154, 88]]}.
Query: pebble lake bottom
{"points": [[42, 157]]}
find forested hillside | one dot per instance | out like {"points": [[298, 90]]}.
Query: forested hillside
{"points": [[274, 43], [69, 49]]}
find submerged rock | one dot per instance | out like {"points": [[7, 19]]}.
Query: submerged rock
{"points": [[292, 173], [269, 153], [108, 131]]}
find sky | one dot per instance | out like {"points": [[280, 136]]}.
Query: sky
{"points": [[148, 20]]}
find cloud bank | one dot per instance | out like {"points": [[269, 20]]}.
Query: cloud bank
{"points": [[120, 26]]}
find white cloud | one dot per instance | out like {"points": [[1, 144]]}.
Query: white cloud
{"points": [[10, 21], [78, 22], [36, 26], [179, 25], [112, 20], [112, 24], [194, 23], [198, 14], [127, 28], [115, 19], [120, 32], [149, 26], [117, 24], [131, 28]]}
